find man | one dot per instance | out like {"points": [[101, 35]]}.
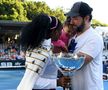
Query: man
{"points": [[88, 43]]}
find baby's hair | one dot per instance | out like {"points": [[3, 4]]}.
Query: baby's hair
{"points": [[66, 23]]}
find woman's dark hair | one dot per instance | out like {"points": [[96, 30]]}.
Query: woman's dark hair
{"points": [[34, 33]]}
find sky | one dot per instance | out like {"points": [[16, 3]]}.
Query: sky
{"points": [[100, 7]]}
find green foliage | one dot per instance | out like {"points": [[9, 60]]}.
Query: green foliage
{"points": [[23, 11], [58, 13], [33, 8], [96, 23], [12, 10]]}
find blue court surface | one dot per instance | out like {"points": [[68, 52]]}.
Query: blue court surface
{"points": [[9, 79]]}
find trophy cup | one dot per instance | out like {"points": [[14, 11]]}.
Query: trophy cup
{"points": [[68, 63]]}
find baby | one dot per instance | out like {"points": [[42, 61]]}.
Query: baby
{"points": [[62, 44]]}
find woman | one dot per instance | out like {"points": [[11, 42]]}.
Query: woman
{"points": [[40, 72]]}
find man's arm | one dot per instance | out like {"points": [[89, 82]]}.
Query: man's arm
{"points": [[88, 58]]}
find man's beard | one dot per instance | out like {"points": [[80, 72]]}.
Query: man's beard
{"points": [[79, 28]]}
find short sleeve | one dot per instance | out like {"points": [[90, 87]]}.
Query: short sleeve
{"points": [[93, 47]]}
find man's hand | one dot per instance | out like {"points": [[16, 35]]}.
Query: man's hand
{"points": [[63, 81]]}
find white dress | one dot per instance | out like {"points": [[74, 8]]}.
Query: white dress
{"points": [[41, 72]]}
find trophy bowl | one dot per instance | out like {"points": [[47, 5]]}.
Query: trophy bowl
{"points": [[68, 63]]}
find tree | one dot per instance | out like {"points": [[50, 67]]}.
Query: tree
{"points": [[12, 10], [33, 8], [23, 11], [18, 10], [58, 12], [96, 23]]}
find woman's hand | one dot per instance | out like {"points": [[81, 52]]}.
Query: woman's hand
{"points": [[63, 81]]}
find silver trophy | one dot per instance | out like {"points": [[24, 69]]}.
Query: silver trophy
{"points": [[68, 64]]}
